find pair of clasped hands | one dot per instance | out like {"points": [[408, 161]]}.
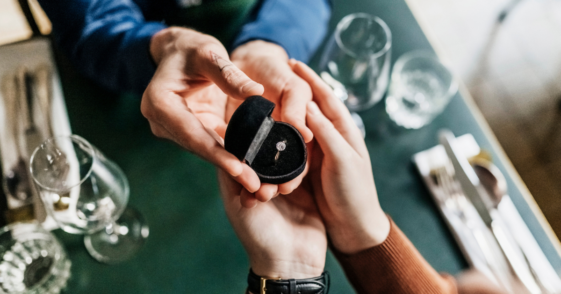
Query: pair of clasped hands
{"points": [[284, 228]]}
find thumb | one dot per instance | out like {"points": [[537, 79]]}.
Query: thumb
{"points": [[229, 78]]}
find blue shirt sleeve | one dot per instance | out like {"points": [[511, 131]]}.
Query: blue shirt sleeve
{"points": [[107, 40], [297, 25]]}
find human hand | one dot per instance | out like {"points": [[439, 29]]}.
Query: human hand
{"points": [[186, 100], [266, 63], [340, 172], [284, 238]]}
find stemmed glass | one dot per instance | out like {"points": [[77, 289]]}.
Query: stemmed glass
{"points": [[356, 61], [87, 194]]}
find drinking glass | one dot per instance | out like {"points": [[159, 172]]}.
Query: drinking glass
{"points": [[32, 260], [356, 60], [420, 89], [86, 193]]}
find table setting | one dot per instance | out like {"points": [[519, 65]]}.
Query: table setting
{"points": [[489, 230], [83, 176]]}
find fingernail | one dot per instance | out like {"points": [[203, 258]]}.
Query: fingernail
{"points": [[313, 107], [254, 190]]}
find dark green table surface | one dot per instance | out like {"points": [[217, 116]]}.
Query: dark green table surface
{"points": [[192, 248]]}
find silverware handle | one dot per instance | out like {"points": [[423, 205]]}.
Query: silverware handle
{"points": [[519, 266]]}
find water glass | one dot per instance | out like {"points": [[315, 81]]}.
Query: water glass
{"points": [[358, 57], [420, 89], [32, 260]]}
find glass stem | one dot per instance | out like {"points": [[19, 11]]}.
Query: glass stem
{"points": [[113, 231]]}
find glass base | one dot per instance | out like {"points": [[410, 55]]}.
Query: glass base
{"points": [[120, 240]]}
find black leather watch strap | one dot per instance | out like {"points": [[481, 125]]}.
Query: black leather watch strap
{"points": [[317, 285]]}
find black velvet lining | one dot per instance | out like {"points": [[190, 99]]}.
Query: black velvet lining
{"points": [[291, 161]]}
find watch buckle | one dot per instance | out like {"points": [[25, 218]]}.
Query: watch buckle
{"points": [[264, 282]]}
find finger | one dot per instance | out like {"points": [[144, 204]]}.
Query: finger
{"points": [[289, 187], [174, 121], [295, 97], [247, 199], [229, 78], [316, 158], [329, 139], [266, 192], [229, 187], [221, 130], [248, 179], [223, 159], [332, 107]]}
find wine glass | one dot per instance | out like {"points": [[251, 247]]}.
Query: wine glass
{"points": [[356, 62], [86, 193]]}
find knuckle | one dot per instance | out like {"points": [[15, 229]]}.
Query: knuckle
{"points": [[156, 130], [210, 45], [146, 108], [151, 107]]}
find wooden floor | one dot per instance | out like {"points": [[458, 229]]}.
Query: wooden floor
{"points": [[512, 69]]}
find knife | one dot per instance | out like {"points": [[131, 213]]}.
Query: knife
{"points": [[477, 194]]}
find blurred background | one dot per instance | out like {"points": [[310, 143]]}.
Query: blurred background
{"points": [[506, 52]]}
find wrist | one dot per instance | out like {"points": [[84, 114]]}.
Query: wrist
{"points": [[313, 285], [362, 234], [285, 269]]}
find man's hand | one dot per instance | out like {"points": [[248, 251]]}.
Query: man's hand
{"points": [[186, 100], [284, 238], [267, 63]]}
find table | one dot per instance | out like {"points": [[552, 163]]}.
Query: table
{"points": [[192, 247]]}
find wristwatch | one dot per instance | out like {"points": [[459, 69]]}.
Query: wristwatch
{"points": [[265, 285]]}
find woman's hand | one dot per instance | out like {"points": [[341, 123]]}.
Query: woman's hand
{"points": [[186, 100], [284, 238], [340, 172]]}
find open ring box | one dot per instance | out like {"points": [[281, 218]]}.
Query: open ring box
{"points": [[252, 136]]}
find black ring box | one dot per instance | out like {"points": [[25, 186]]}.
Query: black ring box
{"points": [[252, 136]]}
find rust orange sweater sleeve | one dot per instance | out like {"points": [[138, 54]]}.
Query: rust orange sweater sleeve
{"points": [[394, 266]]}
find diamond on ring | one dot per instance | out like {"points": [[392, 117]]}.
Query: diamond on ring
{"points": [[281, 146]]}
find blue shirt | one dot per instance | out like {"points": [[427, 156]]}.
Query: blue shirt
{"points": [[108, 40]]}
